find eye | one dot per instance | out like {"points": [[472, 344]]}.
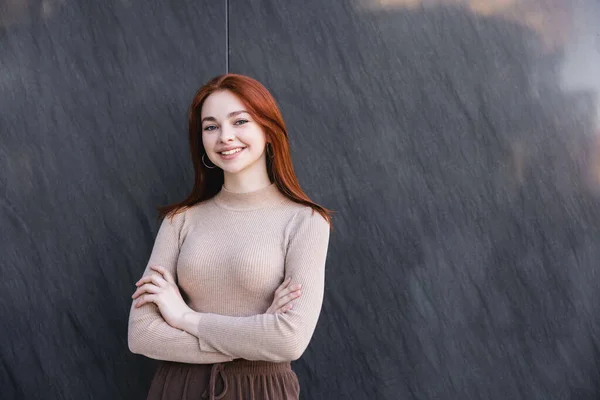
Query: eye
{"points": [[210, 128], [241, 122]]}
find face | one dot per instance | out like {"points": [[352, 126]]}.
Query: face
{"points": [[233, 141]]}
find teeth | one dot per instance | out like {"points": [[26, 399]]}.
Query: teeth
{"points": [[231, 151]]}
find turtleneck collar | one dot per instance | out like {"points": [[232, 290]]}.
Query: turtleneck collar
{"points": [[247, 201]]}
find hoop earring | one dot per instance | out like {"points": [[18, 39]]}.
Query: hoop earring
{"points": [[272, 154], [203, 154]]}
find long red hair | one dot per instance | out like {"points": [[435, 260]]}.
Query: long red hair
{"points": [[263, 108]]}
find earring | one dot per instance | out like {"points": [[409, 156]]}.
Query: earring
{"points": [[269, 147], [203, 162]]}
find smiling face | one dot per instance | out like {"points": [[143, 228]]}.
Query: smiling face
{"points": [[233, 141]]}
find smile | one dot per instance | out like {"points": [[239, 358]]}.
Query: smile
{"points": [[233, 151], [231, 154]]}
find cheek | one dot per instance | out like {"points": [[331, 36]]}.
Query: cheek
{"points": [[254, 137], [207, 142]]}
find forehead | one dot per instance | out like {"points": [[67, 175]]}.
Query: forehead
{"points": [[221, 103]]}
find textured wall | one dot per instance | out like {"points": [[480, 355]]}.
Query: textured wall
{"points": [[458, 146], [93, 136], [456, 139]]}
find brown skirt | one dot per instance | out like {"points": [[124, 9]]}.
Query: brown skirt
{"points": [[238, 379]]}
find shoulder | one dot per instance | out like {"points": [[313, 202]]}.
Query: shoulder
{"points": [[307, 213], [188, 216], [191, 213], [307, 233], [174, 221], [307, 220]]}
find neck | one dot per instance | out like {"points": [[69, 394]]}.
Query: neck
{"points": [[248, 180], [236, 184], [262, 197]]}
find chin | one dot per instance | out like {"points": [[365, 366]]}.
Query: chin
{"points": [[232, 170]]}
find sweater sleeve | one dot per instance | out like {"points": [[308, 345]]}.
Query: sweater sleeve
{"points": [[148, 333], [279, 337]]}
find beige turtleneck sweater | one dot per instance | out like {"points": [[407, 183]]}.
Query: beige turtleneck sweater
{"points": [[229, 254]]}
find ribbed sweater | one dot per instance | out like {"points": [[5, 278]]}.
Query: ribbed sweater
{"points": [[228, 255]]}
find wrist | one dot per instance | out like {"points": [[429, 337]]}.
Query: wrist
{"points": [[189, 322]]}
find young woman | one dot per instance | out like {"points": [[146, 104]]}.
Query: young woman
{"points": [[219, 302]]}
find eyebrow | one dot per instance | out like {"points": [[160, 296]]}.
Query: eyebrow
{"points": [[231, 114]]}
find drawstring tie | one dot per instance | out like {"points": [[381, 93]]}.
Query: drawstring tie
{"points": [[217, 369]]}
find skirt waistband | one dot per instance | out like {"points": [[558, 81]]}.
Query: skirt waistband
{"points": [[237, 367], [255, 367]]}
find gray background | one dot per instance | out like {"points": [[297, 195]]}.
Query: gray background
{"points": [[457, 141]]}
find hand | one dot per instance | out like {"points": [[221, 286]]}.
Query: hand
{"points": [[284, 295], [162, 290]]}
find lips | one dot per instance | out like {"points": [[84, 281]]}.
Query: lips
{"points": [[232, 155], [231, 149]]}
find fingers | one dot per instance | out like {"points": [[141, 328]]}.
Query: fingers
{"points": [[280, 310], [146, 288], [147, 298], [284, 285], [149, 286], [165, 274], [290, 293], [285, 308], [284, 296], [155, 279]]}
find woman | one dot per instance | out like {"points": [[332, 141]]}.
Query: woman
{"points": [[247, 230]]}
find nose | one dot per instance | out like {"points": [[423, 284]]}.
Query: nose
{"points": [[227, 133]]}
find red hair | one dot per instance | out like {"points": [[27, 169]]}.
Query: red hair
{"points": [[263, 108]]}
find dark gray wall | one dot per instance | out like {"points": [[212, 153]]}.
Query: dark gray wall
{"points": [[458, 149], [93, 136]]}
